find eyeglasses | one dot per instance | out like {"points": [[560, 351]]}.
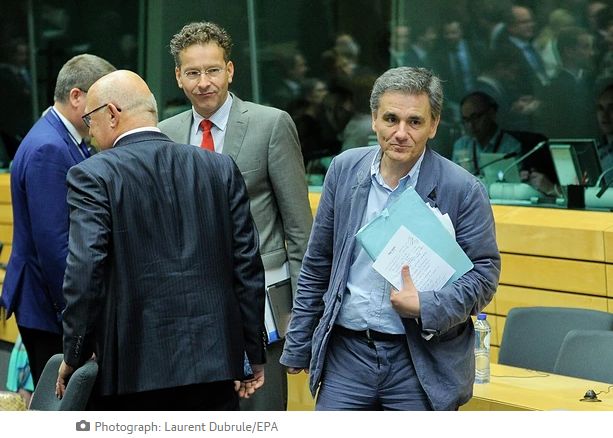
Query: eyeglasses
{"points": [[87, 118], [211, 73], [474, 117]]}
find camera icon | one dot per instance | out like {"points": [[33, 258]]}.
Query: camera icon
{"points": [[82, 426]]}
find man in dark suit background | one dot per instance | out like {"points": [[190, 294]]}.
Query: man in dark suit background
{"points": [[164, 280], [33, 283]]}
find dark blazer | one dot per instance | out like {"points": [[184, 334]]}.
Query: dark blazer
{"points": [[164, 279], [445, 364], [33, 283]]}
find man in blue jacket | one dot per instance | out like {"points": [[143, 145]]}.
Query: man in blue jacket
{"points": [[367, 345], [35, 272]]}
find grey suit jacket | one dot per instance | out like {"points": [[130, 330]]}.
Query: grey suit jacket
{"points": [[445, 363], [264, 144], [164, 279]]}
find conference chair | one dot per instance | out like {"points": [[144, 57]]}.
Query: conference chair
{"points": [[533, 335], [77, 393], [587, 354]]}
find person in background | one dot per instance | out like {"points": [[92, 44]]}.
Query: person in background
{"points": [[366, 345], [32, 287], [567, 110], [293, 68], [19, 378], [604, 113], [168, 295], [264, 144], [482, 132]]}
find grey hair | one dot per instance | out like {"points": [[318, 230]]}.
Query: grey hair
{"points": [[409, 80], [80, 72]]}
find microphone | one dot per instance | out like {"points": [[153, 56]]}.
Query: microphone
{"points": [[504, 157], [538, 146]]}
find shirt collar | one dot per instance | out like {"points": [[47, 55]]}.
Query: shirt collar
{"points": [[74, 134], [134, 131], [412, 175], [219, 117]]}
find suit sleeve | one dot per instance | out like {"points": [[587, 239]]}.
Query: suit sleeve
{"points": [[90, 224], [248, 269], [45, 182], [314, 280], [475, 233], [287, 176]]}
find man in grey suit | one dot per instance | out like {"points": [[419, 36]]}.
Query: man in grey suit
{"points": [[264, 144], [164, 282], [369, 346]]}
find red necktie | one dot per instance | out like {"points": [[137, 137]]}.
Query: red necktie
{"points": [[207, 137]]}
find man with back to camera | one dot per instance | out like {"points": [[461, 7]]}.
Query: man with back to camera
{"points": [[164, 282], [367, 345], [33, 283], [264, 144]]}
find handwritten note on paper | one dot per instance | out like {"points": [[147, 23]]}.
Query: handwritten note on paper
{"points": [[428, 270]]}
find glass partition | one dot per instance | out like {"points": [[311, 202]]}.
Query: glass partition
{"points": [[545, 68]]}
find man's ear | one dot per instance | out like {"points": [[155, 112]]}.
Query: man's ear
{"points": [[114, 114], [230, 67], [76, 96], [434, 127], [178, 77]]}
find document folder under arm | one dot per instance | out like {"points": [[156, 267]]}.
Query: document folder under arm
{"points": [[410, 211]]}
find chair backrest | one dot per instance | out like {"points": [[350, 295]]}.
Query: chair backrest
{"points": [[77, 393], [533, 335], [587, 354]]}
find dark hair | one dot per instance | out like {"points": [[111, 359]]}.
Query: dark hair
{"points": [[200, 33], [482, 97]]}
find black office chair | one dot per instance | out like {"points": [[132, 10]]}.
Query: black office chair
{"points": [[587, 354], [533, 335], [77, 393]]}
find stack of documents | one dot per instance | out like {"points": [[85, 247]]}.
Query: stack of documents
{"points": [[410, 232]]}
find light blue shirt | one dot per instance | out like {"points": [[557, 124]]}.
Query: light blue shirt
{"points": [[219, 119], [366, 303]]}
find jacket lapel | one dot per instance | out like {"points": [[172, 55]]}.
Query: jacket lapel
{"points": [[62, 131], [428, 179], [238, 121], [359, 195]]}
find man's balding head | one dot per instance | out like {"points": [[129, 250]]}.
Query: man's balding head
{"points": [[120, 101]]}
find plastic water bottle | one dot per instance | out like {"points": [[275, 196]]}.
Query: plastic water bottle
{"points": [[482, 349]]}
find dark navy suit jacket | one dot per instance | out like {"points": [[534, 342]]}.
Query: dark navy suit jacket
{"points": [[33, 283], [164, 280]]}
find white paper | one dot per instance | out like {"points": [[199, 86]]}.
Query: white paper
{"points": [[445, 220], [428, 270]]}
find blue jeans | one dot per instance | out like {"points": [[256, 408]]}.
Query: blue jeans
{"points": [[375, 376]]}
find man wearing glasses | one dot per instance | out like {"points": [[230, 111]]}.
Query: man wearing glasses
{"points": [[264, 144], [35, 272], [482, 132]]}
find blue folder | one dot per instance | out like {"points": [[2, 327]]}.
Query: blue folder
{"points": [[410, 211]]}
